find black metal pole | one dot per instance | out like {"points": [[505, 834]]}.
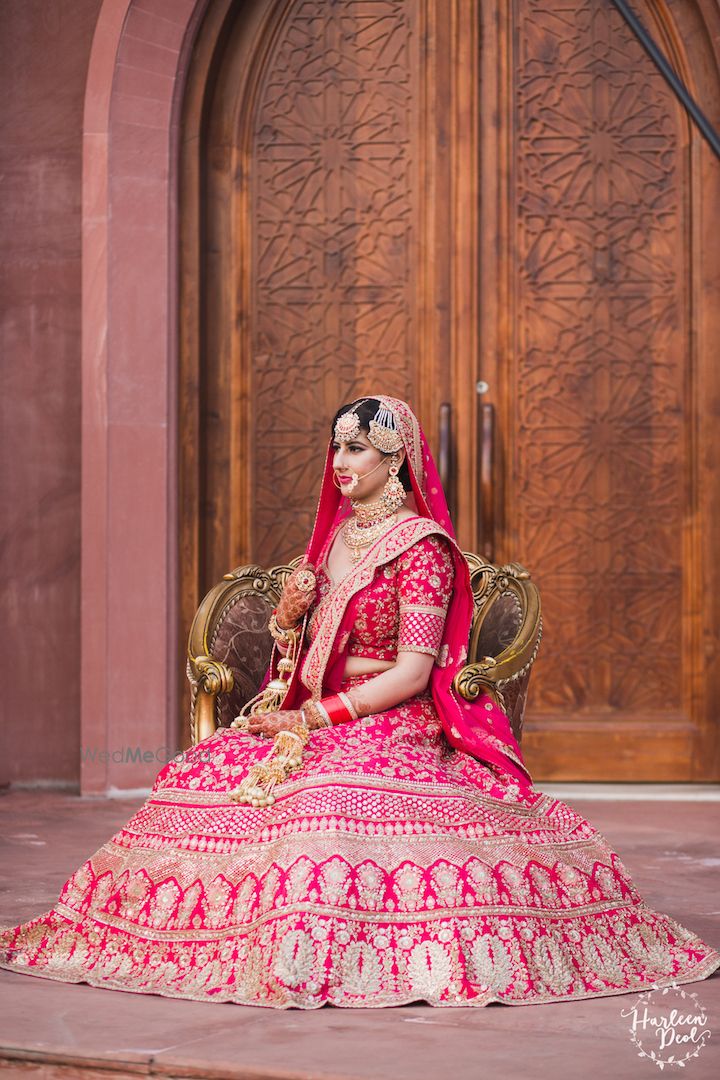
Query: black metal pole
{"points": [[666, 70]]}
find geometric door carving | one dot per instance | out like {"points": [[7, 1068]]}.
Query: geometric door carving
{"points": [[599, 411], [413, 196]]}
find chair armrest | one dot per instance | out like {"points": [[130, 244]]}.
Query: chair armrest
{"points": [[478, 678], [491, 674], [208, 678]]}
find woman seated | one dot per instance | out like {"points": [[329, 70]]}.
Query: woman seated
{"points": [[388, 845]]}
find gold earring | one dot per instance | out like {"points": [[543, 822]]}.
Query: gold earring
{"points": [[393, 494]]}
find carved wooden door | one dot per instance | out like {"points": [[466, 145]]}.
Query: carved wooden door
{"points": [[327, 252], [432, 198], [594, 293]]}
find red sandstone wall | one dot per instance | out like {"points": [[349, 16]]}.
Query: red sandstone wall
{"points": [[44, 52]]}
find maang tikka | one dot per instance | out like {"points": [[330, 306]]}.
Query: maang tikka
{"points": [[347, 429], [382, 434], [347, 426], [385, 437]]}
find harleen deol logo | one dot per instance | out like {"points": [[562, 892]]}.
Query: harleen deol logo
{"points": [[668, 1026]]}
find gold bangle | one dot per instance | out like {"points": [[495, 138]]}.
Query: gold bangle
{"points": [[282, 636], [348, 705], [316, 715], [322, 711]]}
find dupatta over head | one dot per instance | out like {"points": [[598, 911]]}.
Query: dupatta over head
{"points": [[480, 727]]}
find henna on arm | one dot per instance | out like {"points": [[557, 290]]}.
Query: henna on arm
{"points": [[295, 601], [269, 724]]}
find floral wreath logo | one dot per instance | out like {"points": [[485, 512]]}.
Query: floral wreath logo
{"points": [[668, 1032]]}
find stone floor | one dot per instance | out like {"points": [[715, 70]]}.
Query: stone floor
{"points": [[59, 1031]]}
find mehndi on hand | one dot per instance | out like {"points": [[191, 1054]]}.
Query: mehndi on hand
{"points": [[269, 724], [297, 597]]}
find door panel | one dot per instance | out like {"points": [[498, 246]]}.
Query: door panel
{"points": [[334, 255], [333, 209], [423, 196], [594, 373]]}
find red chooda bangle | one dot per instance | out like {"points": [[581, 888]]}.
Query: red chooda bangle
{"points": [[337, 709]]}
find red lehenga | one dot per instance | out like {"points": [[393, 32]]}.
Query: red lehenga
{"points": [[409, 859]]}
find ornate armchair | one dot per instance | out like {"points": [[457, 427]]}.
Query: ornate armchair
{"points": [[229, 644]]}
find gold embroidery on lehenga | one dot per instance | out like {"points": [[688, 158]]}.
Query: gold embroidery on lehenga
{"points": [[298, 879], [446, 882], [295, 958], [163, 904], [360, 969], [429, 969], [334, 877], [407, 884], [649, 949], [482, 879], [556, 971], [602, 960], [489, 963], [425, 882], [371, 885], [542, 882]]}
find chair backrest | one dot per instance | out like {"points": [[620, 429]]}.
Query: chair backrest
{"points": [[230, 626], [506, 631]]}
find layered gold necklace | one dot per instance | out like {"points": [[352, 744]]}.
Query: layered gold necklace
{"points": [[368, 523]]}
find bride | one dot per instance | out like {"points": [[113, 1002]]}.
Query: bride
{"points": [[363, 837]]}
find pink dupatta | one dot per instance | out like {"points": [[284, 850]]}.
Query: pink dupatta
{"points": [[480, 727]]}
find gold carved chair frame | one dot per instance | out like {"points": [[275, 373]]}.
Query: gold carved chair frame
{"points": [[229, 644]]}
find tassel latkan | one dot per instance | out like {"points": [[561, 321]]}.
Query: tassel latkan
{"points": [[286, 753], [284, 757], [271, 697]]}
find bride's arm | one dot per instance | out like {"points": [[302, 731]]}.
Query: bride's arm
{"points": [[409, 676]]}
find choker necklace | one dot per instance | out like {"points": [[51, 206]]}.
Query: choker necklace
{"points": [[366, 513], [358, 536]]}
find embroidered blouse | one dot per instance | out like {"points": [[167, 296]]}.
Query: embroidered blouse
{"points": [[403, 609]]}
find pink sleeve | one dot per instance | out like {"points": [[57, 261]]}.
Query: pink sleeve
{"points": [[424, 579]]}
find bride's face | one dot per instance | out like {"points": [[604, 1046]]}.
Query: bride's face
{"points": [[361, 458]]}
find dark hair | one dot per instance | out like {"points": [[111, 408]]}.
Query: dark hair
{"points": [[366, 412]]}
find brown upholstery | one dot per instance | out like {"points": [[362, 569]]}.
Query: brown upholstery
{"points": [[500, 628], [229, 646], [241, 640], [498, 631]]}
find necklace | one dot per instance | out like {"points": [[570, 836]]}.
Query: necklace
{"points": [[358, 536], [366, 513]]}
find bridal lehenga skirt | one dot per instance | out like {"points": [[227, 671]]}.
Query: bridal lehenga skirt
{"points": [[391, 869]]}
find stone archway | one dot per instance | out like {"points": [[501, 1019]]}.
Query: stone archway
{"points": [[128, 622]]}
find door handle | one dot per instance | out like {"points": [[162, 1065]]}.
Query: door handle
{"points": [[486, 486], [445, 455]]}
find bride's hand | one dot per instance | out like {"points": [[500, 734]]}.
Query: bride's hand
{"points": [[271, 723], [297, 597]]}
